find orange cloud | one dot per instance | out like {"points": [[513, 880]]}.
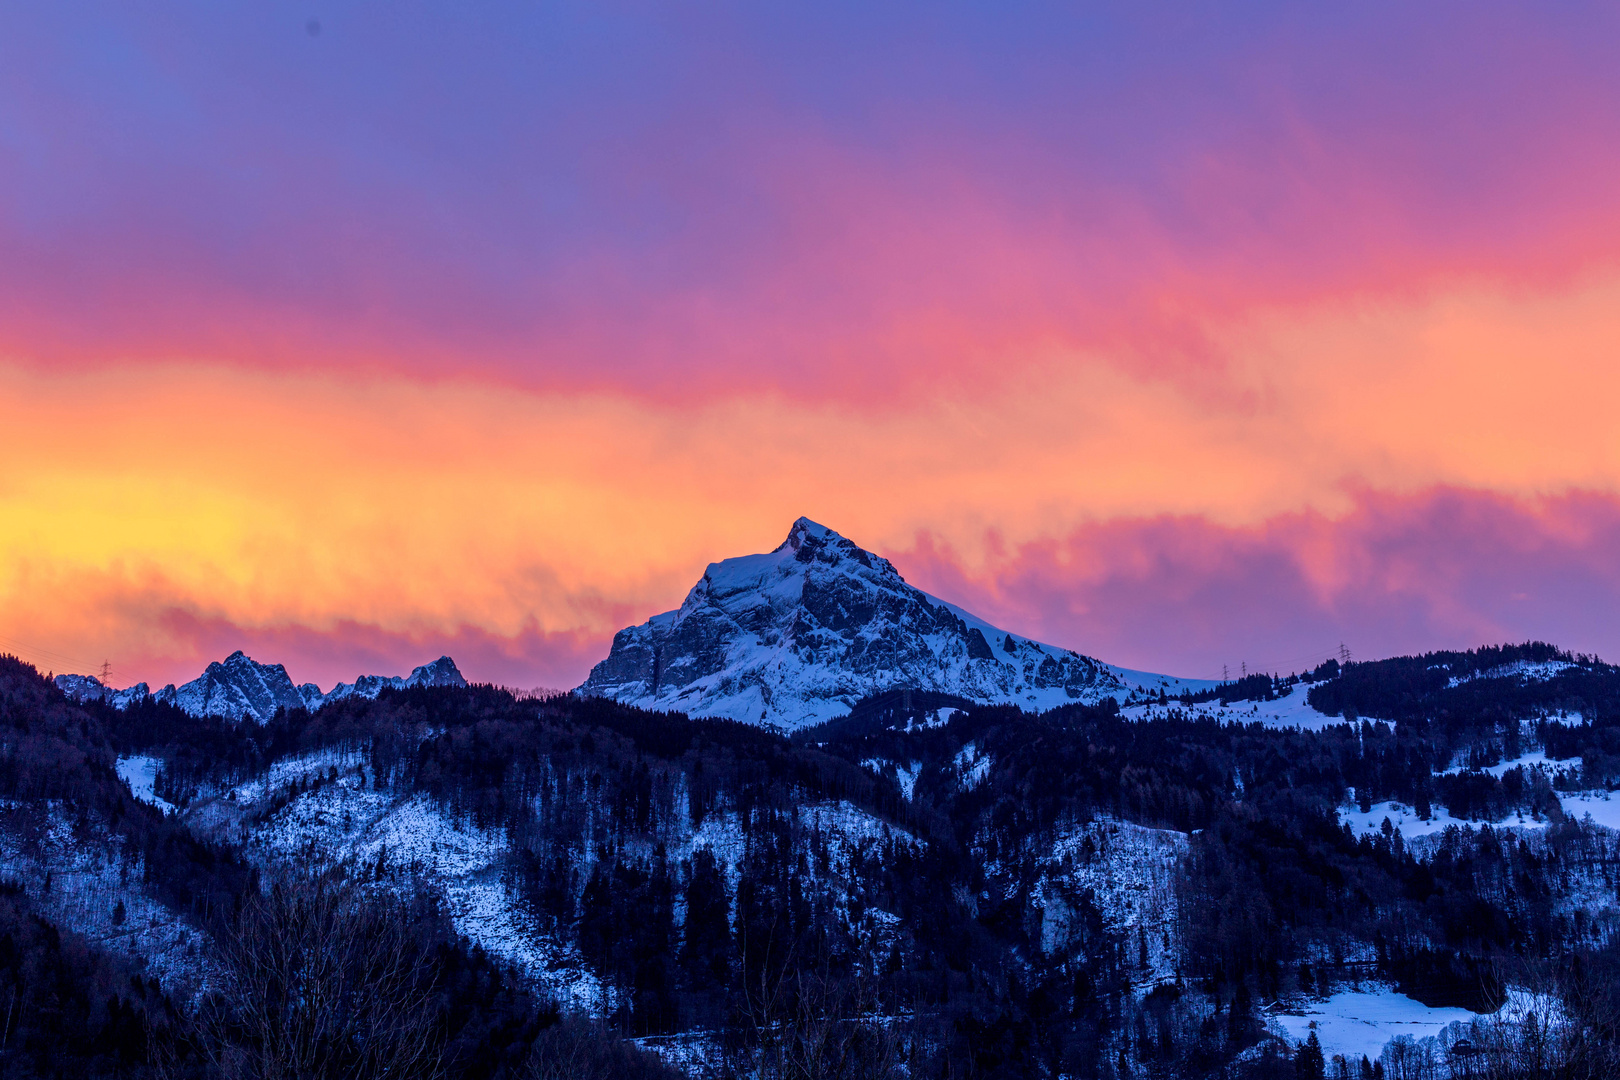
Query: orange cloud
{"points": [[421, 510]]}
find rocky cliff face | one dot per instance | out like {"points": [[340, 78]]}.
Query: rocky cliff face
{"points": [[237, 686], [798, 635]]}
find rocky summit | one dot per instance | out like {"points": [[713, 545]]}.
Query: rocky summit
{"points": [[798, 635]]}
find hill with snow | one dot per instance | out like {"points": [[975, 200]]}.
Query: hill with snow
{"points": [[798, 635]]}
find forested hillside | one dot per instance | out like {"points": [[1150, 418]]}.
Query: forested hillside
{"points": [[924, 888]]}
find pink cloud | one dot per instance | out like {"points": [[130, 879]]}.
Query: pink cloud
{"points": [[823, 201]]}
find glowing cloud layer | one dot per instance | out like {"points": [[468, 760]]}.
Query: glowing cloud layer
{"points": [[416, 331]]}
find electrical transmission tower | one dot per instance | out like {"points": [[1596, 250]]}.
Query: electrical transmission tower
{"points": [[1344, 653], [106, 670]]}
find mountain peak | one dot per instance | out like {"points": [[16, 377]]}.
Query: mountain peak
{"points": [[799, 634], [804, 530]]}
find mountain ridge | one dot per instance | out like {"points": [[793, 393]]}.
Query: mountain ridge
{"points": [[240, 687]]}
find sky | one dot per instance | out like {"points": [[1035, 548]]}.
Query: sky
{"points": [[1187, 335]]}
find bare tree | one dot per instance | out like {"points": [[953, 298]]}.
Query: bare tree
{"points": [[578, 1048], [315, 981], [813, 1025], [1557, 1024]]}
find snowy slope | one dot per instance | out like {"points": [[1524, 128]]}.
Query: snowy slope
{"points": [[239, 687], [798, 635], [1123, 872], [326, 809], [82, 875]]}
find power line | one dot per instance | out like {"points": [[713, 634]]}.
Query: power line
{"points": [[1286, 664]]}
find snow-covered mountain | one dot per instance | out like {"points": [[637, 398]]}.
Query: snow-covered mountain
{"points": [[240, 687], [798, 635]]}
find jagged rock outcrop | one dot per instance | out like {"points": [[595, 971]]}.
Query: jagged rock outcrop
{"points": [[798, 635], [442, 672]]}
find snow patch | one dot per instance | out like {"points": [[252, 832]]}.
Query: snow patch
{"points": [[972, 767], [78, 873], [904, 775], [399, 842]]}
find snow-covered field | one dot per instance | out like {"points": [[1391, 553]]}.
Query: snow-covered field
{"points": [[1379, 1022], [1358, 1023], [1405, 819], [1602, 806]]}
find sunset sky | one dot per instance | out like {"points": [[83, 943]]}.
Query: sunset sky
{"points": [[1184, 335]]}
